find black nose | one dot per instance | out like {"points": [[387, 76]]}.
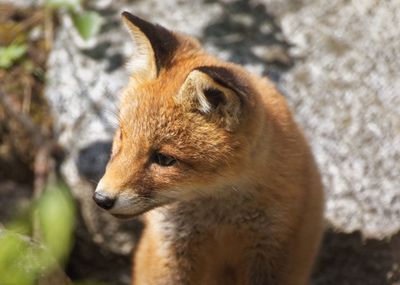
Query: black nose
{"points": [[103, 200]]}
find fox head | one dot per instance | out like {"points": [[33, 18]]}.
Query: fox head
{"points": [[186, 128]]}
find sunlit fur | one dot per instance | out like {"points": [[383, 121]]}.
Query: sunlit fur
{"points": [[243, 203]]}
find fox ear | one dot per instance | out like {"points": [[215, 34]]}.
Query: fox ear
{"points": [[215, 92], [155, 46]]}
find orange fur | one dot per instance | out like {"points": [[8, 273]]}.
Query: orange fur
{"points": [[243, 204]]}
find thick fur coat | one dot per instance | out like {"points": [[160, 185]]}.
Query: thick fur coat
{"points": [[212, 156]]}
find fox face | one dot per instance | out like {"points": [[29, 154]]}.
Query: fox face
{"points": [[184, 127]]}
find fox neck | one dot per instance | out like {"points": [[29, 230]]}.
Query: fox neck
{"points": [[209, 210]]}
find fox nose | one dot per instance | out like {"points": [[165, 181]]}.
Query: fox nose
{"points": [[104, 201]]}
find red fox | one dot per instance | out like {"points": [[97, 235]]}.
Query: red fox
{"points": [[212, 157]]}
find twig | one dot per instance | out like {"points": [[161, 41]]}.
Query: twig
{"points": [[22, 119], [27, 96], [43, 165], [43, 162], [27, 23], [48, 28]]}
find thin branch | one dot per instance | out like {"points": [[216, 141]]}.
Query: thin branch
{"points": [[48, 28], [22, 119], [27, 23], [43, 162]]}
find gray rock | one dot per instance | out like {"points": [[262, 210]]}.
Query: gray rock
{"points": [[344, 89]]}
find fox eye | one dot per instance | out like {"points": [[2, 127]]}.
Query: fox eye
{"points": [[164, 159]]}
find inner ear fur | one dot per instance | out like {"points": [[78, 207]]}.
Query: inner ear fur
{"points": [[155, 46], [215, 93]]}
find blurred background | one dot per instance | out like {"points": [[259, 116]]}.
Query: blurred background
{"points": [[61, 71]]}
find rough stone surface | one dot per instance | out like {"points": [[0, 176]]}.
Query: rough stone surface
{"points": [[337, 63], [344, 89], [83, 82]]}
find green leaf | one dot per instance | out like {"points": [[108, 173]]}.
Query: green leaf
{"points": [[68, 4], [87, 23], [57, 214], [12, 251], [21, 260], [10, 54]]}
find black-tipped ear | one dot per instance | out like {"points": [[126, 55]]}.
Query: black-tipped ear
{"points": [[155, 45], [217, 93], [228, 79]]}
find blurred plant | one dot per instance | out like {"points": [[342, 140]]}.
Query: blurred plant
{"points": [[35, 246], [87, 23], [14, 35], [23, 261], [10, 54], [56, 214]]}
